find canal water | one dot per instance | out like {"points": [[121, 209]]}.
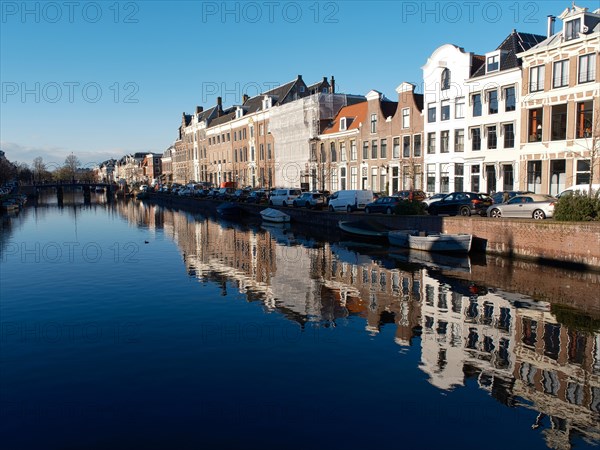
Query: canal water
{"points": [[130, 325]]}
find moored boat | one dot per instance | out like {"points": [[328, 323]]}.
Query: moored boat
{"points": [[399, 238], [274, 215], [365, 229], [450, 243]]}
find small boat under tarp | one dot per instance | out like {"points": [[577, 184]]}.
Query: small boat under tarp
{"points": [[274, 215], [364, 228]]}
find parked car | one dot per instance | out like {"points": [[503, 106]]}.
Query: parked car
{"points": [[257, 197], [434, 198], [463, 203], [414, 194], [350, 200], [498, 197], [383, 205], [284, 197], [310, 200], [240, 195], [536, 206], [583, 188]]}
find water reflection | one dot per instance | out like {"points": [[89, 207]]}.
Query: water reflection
{"points": [[527, 335]]}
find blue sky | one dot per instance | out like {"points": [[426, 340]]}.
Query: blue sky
{"points": [[105, 78]]}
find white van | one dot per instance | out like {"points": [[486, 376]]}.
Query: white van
{"points": [[350, 200], [284, 197], [582, 188]]}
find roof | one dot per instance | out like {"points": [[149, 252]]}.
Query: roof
{"points": [[514, 43], [388, 108], [357, 114], [476, 63]]}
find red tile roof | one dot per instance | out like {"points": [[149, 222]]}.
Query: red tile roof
{"points": [[355, 114]]}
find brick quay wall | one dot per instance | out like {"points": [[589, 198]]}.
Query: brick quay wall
{"points": [[572, 244]]}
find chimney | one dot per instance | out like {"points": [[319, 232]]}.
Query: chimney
{"points": [[245, 98], [299, 77], [219, 106], [332, 84], [199, 109], [551, 20]]}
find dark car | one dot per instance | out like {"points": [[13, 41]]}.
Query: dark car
{"points": [[461, 203], [414, 194], [383, 205], [241, 195], [257, 197], [499, 197]]}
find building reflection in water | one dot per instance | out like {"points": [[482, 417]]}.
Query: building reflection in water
{"points": [[525, 353]]}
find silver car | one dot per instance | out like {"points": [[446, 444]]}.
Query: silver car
{"points": [[536, 206]]}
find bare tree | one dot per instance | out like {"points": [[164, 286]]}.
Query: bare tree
{"points": [[39, 168], [72, 163]]}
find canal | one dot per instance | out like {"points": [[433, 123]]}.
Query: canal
{"points": [[129, 325]]}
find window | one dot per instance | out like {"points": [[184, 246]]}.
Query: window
{"points": [[261, 129], [251, 132], [383, 150], [417, 145], [343, 151], [373, 123], [587, 68], [572, 28], [430, 177], [444, 141], [333, 152], [509, 135], [269, 155], [510, 100], [365, 150], [475, 139], [476, 105], [459, 140], [493, 63], [536, 79], [343, 178], [445, 79], [507, 177], [430, 143], [534, 176], [262, 152], [459, 171], [492, 98], [244, 133], [560, 76], [431, 113], [475, 170], [353, 152], [374, 149], [459, 108], [354, 178], [445, 109], [374, 178], [406, 146], [535, 125], [343, 124], [405, 118], [396, 148], [558, 130], [582, 176], [584, 119], [492, 138]]}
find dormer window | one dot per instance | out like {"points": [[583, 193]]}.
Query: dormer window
{"points": [[267, 102], [492, 63], [238, 113], [343, 124], [445, 80], [572, 28]]}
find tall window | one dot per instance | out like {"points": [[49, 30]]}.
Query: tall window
{"points": [[476, 105], [444, 141], [587, 68], [269, 153], [333, 152], [365, 150], [417, 145], [509, 135], [560, 76], [510, 101], [430, 177], [492, 98], [492, 138], [584, 119], [383, 148], [475, 139], [374, 178], [558, 131], [396, 148], [459, 108], [343, 151], [459, 140], [343, 179], [405, 118], [536, 79], [459, 172], [431, 113], [262, 151], [430, 143], [353, 152], [373, 123], [445, 109], [354, 177], [535, 125], [534, 176], [572, 28], [445, 80], [406, 146], [475, 171], [507, 177], [374, 149], [582, 175]]}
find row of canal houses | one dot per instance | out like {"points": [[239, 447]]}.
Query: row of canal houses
{"points": [[521, 116]]}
